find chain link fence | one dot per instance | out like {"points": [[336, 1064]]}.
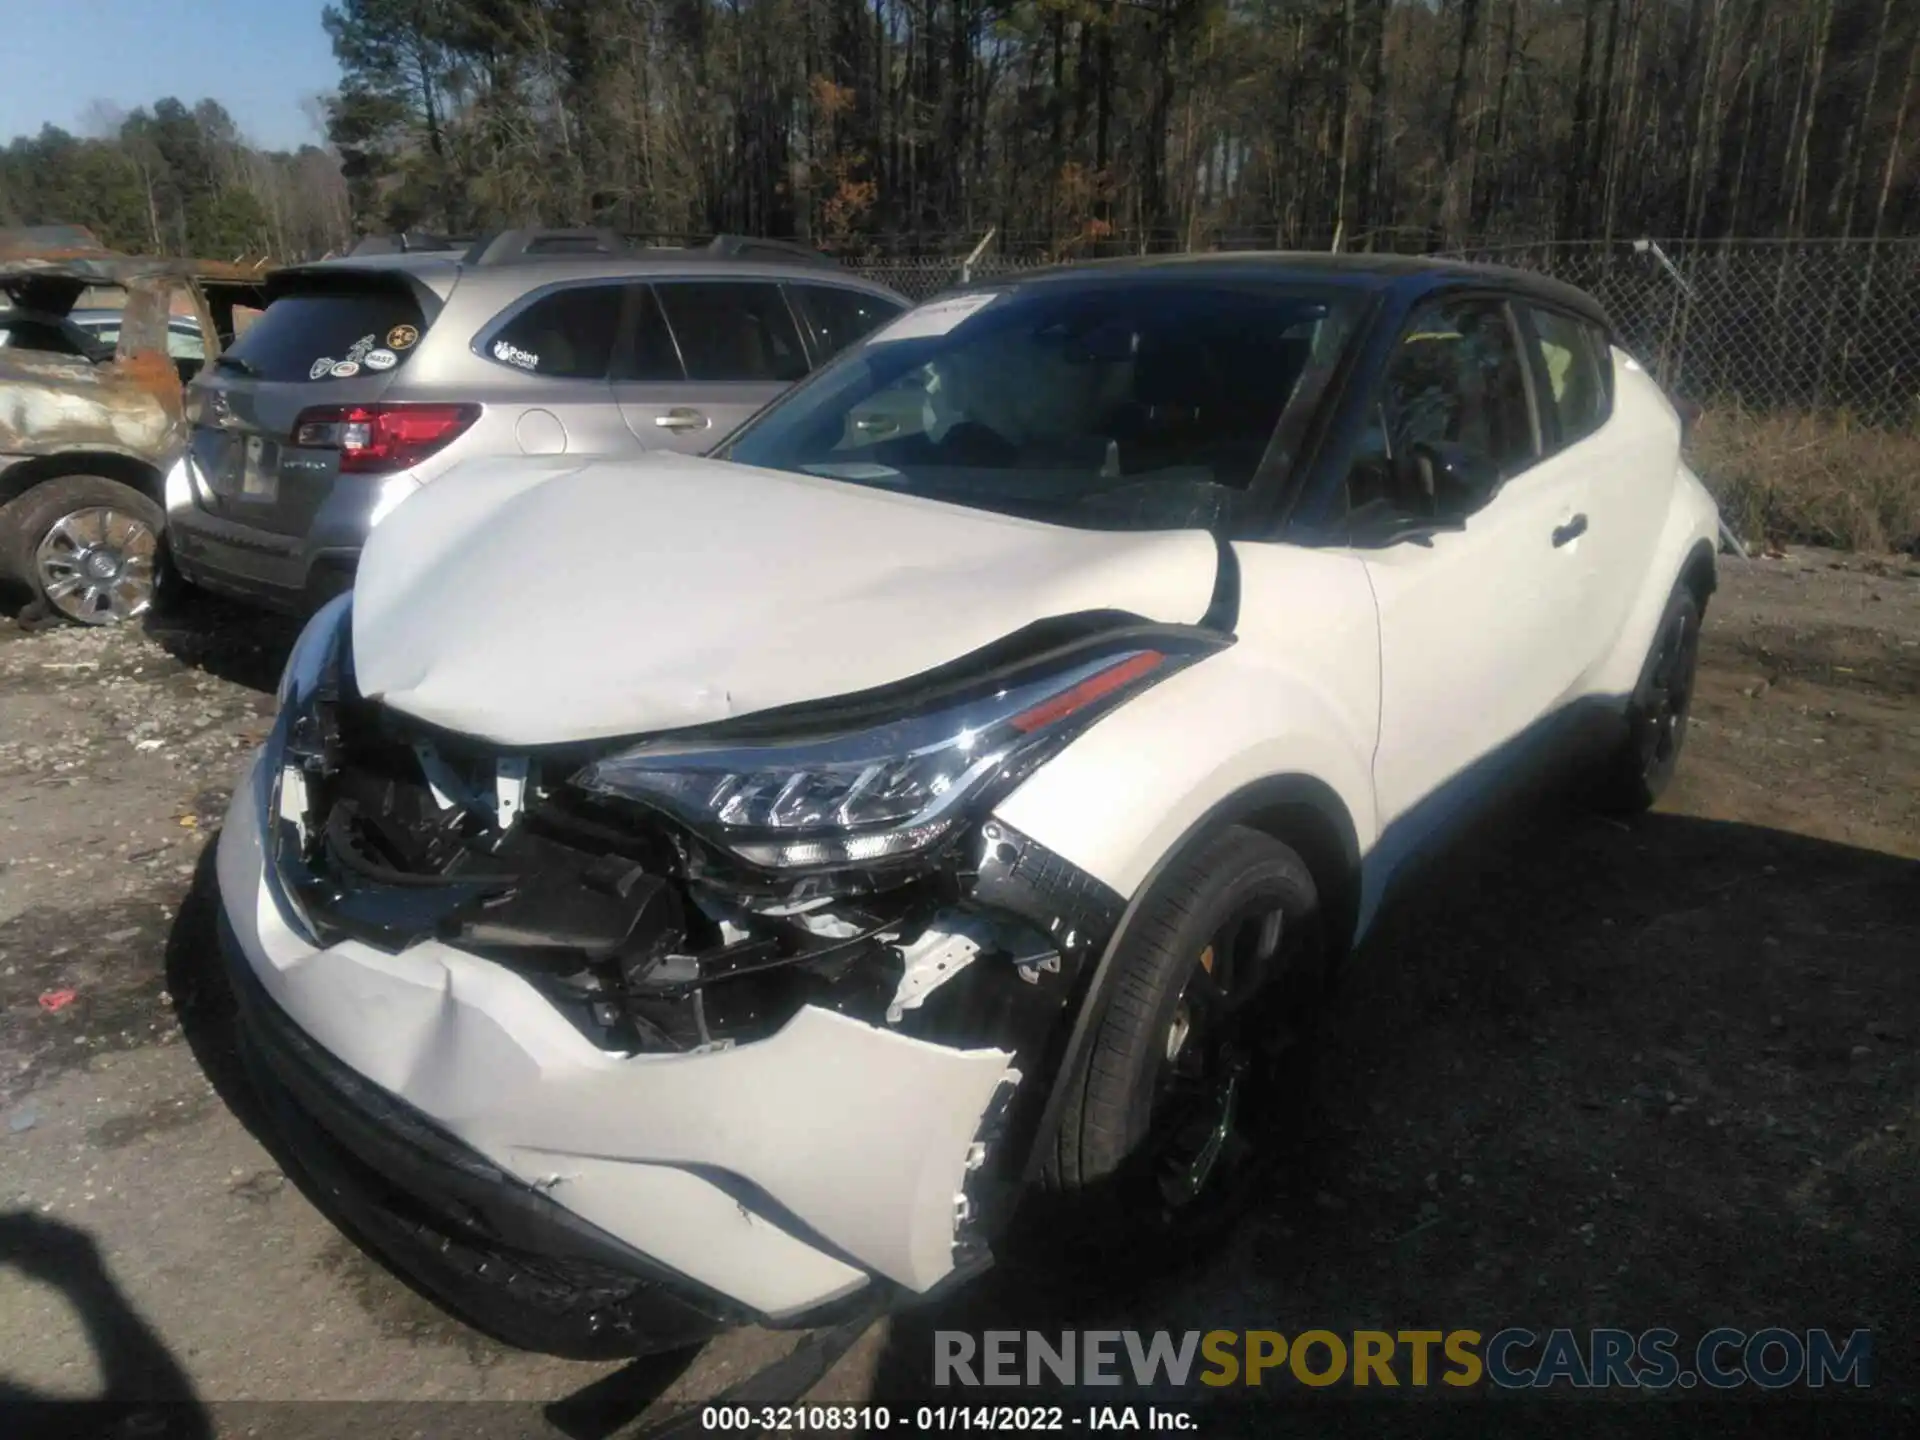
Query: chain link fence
{"points": [[1803, 356]]}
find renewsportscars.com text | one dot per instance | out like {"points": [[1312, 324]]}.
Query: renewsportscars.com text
{"points": [[1512, 1359]]}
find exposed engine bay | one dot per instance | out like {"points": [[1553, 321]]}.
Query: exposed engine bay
{"points": [[652, 937]]}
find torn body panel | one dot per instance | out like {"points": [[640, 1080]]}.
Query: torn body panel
{"points": [[592, 980], [550, 982], [52, 403], [131, 405]]}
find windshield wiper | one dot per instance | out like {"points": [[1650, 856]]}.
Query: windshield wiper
{"points": [[235, 362]]}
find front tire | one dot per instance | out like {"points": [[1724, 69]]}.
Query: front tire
{"points": [[1180, 1101], [88, 547], [1639, 771]]}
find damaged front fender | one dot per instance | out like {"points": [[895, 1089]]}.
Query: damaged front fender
{"points": [[780, 1170]]}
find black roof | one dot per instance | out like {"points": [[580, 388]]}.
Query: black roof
{"points": [[1410, 276]]}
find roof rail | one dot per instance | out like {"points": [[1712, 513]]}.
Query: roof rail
{"points": [[508, 245], [410, 242], [753, 247]]}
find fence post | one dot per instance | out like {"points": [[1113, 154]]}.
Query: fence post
{"points": [[966, 265], [1675, 317]]}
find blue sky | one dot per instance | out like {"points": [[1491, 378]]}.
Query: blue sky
{"points": [[259, 58]]}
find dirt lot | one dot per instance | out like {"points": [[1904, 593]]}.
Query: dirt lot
{"points": [[1651, 1074]]}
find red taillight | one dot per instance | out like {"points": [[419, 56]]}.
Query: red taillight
{"points": [[377, 439]]}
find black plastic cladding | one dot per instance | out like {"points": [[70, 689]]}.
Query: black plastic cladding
{"points": [[1076, 914]]}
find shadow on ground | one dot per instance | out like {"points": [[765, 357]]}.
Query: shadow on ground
{"points": [[1591, 1074], [145, 1391], [237, 643]]}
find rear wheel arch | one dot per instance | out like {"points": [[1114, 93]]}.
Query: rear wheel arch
{"points": [[1699, 573], [136, 474]]}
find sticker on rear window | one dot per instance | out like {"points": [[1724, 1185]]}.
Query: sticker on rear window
{"points": [[361, 347], [344, 369], [935, 318], [514, 355], [380, 360], [320, 367], [400, 337]]}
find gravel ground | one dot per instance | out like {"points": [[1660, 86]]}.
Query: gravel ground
{"points": [[1600, 1074]]}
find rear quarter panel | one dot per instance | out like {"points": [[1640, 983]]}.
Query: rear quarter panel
{"points": [[1669, 516]]}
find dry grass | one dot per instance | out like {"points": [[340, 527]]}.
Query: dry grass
{"points": [[1812, 478]]}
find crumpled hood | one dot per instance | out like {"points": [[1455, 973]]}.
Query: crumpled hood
{"points": [[542, 600]]}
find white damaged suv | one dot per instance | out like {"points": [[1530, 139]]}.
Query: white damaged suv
{"points": [[682, 891]]}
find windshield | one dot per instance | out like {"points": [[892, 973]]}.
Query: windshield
{"points": [[1139, 405]]}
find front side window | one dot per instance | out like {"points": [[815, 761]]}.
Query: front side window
{"points": [[1576, 384], [1455, 391], [733, 330], [1142, 405], [31, 332], [567, 335]]}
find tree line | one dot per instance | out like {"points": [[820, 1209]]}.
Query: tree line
{"points": [[1066, 125], [177, 181], [1067, 122]]}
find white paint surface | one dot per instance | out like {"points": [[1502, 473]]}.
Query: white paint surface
{"points": [[532, 600], [862, 1133]]}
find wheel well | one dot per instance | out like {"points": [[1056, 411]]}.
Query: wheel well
{"points": [[1320, 832], [1699, 573], [1303, 813], [21, 478]]}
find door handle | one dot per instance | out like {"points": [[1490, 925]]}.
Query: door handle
{"points": [[681, 418], [1572, 530]]}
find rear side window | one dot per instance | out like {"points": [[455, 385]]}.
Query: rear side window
{"points": [[332, 334], [567, 335], [733, 330], [27, 333], [838, 317], [1571, 356], [646, 348]]}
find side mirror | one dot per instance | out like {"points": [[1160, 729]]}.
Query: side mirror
{"points": [[1448, 480]]}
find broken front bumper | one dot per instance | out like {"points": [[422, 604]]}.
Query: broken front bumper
{"points": [[495, 1250], [778, 1176]]}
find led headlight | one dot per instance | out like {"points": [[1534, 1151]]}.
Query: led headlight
{"points": [[874, 794]]}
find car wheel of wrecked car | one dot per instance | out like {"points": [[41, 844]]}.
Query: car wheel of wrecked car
{"points": [[1643, 766], [89, 547], [1183, 1095]]}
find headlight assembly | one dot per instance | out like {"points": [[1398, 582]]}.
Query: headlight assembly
{"points": [[894, 789], [314, 653]]}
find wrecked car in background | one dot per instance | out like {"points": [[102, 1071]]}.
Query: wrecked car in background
{"points": [[92, 409], [686, 890]]}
